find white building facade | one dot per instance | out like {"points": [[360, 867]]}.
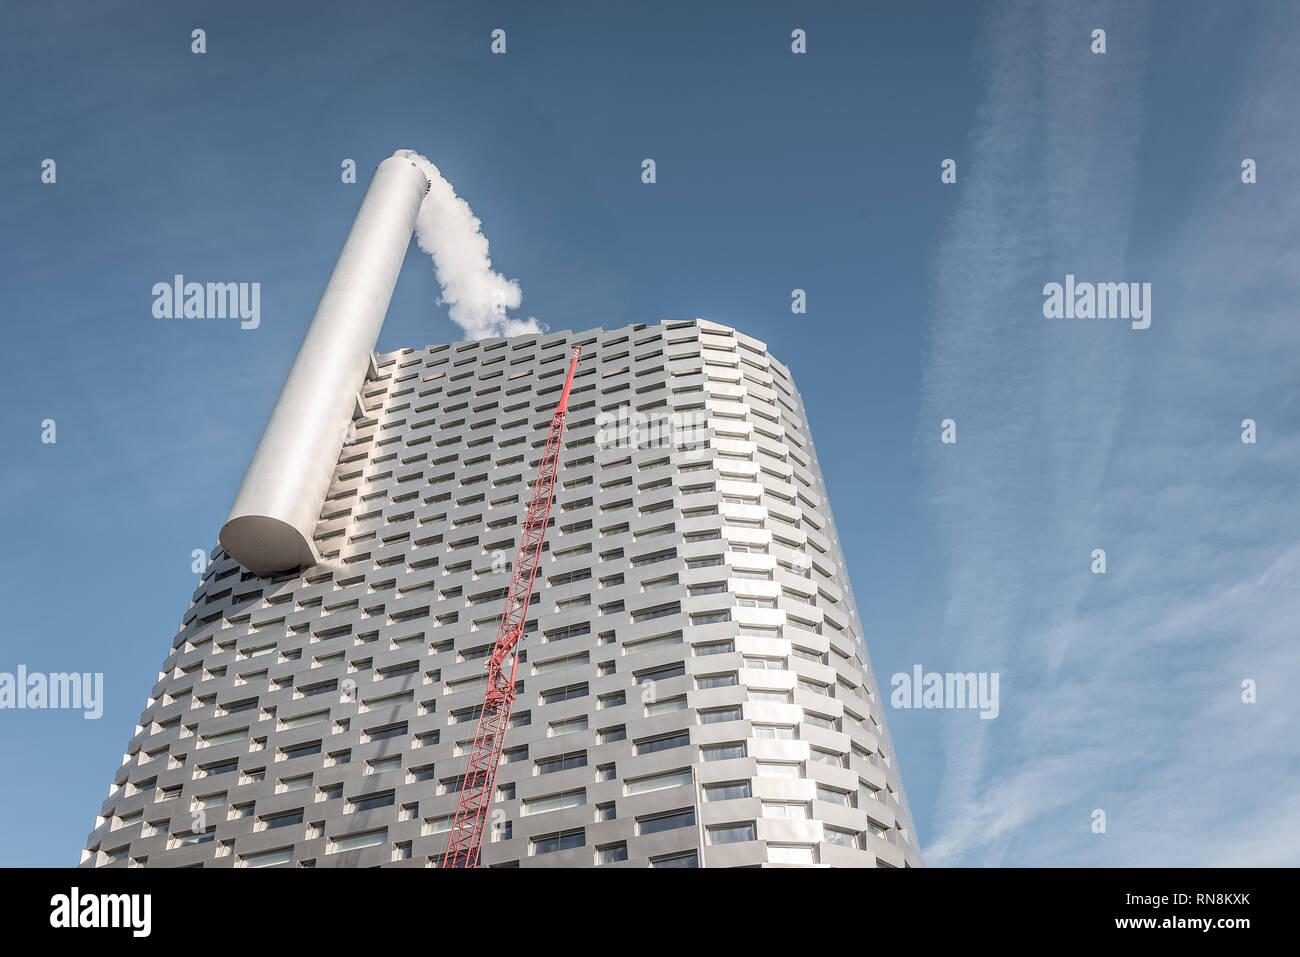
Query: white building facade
{"points": [[693, 686]]}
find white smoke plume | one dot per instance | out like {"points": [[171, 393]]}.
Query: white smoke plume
{"points": [[477, 298]]}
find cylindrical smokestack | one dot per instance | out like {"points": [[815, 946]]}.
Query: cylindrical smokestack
{"points": [[272, 524]]}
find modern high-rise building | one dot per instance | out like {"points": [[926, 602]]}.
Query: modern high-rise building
{"points": [[692, 620], [693, 688]]}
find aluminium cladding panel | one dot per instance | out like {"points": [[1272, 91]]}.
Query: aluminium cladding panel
{"points": [[273, 518], [692, 612]]}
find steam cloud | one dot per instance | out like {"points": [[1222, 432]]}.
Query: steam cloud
{"points": [[477, 298]]}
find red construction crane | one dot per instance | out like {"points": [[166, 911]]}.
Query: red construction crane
{"points": [[480, 774]]}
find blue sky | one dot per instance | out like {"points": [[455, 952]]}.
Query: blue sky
{"points": [[1119, 692]]}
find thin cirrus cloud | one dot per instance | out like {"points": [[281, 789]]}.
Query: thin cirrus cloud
{"points": [[1122, 692]]}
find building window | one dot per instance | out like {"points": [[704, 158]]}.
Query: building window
{"points": [[282, 855], [610, 735], [658, 782], [722, 752], [714, 648], [561, 841], [730, 833], [679, 739], [710, 617], [615, 699], [562, 762], [832, 796], [785, 811], [833, 835], [718, 715], [665, 822], [566, 726], [662, 673], [667, 705], [356, 842], [776, 769], [732, 791], [826, 757], [612, 853], [791, 854], [716, 681], [554, 802], [287, 819], [568, 692]]}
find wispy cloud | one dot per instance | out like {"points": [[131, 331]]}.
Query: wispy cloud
{"points": [[1120, 692]]}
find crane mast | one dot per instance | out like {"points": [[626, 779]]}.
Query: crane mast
{"points": [[480, 774]]}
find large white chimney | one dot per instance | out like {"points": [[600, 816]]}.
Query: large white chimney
{"points": [[272, 523]]}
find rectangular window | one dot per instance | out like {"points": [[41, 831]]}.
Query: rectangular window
{"points": [[554, 802], [301, 750], [392, 731], [562, 841], [568, 692], [731, 833], [832, 796], [790, 854], [716, 588], [826, 757], [371, 801], [282, 855], [714, 648], [286, 819], [662, 673], [566, 726], [648, 559], [716, 681], [297, 783], [612, 853], [657, 782], [665, 822], [225, 737], [839, 838], [662, 611], [303, 720], [727, 792], [718, 715], [722, 752], [355, 842], [558, 664], [665, 706], [655, 641], [711, 617], [678, 739], [562, 762]]}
